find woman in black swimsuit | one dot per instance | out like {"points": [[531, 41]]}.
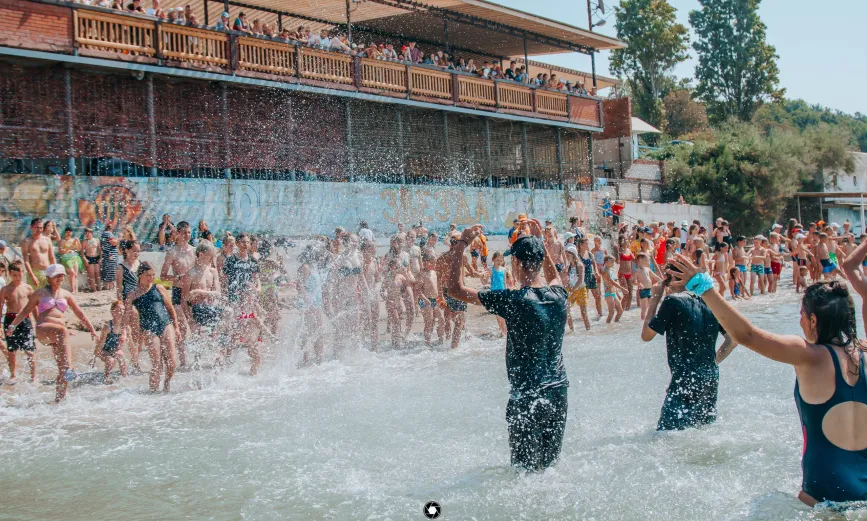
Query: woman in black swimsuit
{"points": [[156, 319], [830, 386]]}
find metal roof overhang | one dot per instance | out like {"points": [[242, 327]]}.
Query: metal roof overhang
{"points": [[474, 25]]}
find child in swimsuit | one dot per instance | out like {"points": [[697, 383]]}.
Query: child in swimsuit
{"points": [[108, 347], [615, 308], [644, 278], [720, 266], [736, 285], [431, 312]]}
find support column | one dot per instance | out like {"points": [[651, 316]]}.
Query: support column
{"points": [[152, 126], [525, 154], [224, 107], [799, 210], [205, 7], [70, 130], [489, 164], [862, 212], [446, 34], [400, 144], [226, 8], [280, 22], [527, 59], [560, 157], [348, 22], [590, 162], [593, 70], [350, 157], [821, 214]]}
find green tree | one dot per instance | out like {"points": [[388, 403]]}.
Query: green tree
{"points": [[737, 69], [655, 44], [683, 114], [746, 175]]}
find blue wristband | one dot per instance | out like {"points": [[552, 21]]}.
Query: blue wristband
{"points": [[699, 283]]}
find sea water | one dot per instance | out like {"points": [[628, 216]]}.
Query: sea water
{"points": [[376, 436]]}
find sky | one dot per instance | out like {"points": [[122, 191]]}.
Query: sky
{"points": [[823, 52]]}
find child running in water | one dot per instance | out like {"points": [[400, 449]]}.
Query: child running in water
{"points": [[13, 297], [576, 284], [108, 347], [645, 278], [611, 287], [501, 279], [736, 285], [428, 284], [396, 284]]}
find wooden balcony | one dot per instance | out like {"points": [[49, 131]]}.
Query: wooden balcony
{"points": [[111, 34]]}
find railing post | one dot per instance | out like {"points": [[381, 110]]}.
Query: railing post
{"points": [[496, 94], [357, 71], [590, 161], [152, 125], [408, 82], [456, 88], [533, 99], [158, 41], [233, 52], [70, 130], [299, 67], [569, 107]]}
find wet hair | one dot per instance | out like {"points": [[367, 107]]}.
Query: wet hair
{"points": [[242, 235], [143, 268], [733, 273], [182, 225], [126, 246], [116, 304], [35, 220], [67, 229], [204, 247], [642, 256], [834, 309], [497, 255], [16, 265], [804, 270], [607, 258], [740, 238], [698, 253], [719, 246]]}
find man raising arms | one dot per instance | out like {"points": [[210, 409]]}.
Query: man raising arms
{"points": [[179, 258], [535, 318], [38, 253]]}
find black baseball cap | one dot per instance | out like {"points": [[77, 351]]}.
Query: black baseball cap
{"points": [[529, 250]]}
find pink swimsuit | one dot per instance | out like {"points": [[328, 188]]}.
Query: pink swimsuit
{"points": [[46, 303]]}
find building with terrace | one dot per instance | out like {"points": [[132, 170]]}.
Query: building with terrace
{"points": [[109, 113]]}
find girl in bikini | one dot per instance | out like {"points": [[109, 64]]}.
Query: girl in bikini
{"points": [[69, 257], [51, 303], [611, 287], [624, 275], [720, 266]]}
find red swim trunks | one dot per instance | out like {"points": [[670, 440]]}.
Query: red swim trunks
{"points": [[776, 267]]}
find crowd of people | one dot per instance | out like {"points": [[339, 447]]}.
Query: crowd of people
{"points": [[336, 41], [231, 292]]}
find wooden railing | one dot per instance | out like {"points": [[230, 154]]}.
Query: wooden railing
{"points": [[552, 103], [476, 90], [515, 97], [99, 32], [428, 82], [327, 66], [379, 74], [110, 32], [585, 111], [259, 55], [199, 46]]}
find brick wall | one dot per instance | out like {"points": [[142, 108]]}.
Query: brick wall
{"points": [[618, 118], [36, 26]]}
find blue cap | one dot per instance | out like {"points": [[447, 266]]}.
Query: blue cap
{"points": [[226, 14]]}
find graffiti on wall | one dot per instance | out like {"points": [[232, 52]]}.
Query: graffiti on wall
{"points": [[281, 207]]}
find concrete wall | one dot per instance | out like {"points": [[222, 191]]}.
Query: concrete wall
{"points": [[290, 208]]}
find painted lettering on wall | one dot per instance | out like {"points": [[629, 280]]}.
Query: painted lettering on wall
{"points": [[445, 205]]}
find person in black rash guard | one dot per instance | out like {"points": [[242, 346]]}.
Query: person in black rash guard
{"points": [[535, 317], [691, 332]]}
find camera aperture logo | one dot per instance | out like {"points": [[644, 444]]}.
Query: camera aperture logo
{"points": [[432, 510]]}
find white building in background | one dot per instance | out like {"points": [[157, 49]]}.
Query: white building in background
{"points": [[842, 209]]}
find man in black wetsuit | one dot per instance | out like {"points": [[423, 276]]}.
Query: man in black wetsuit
{"points": [[691, 332], [535, 316]]}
